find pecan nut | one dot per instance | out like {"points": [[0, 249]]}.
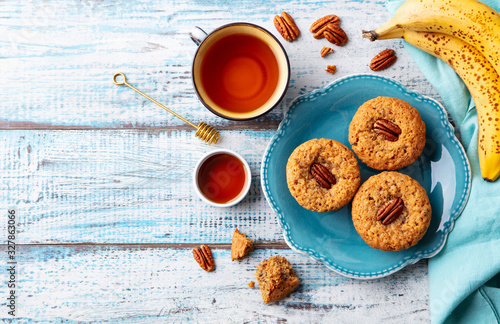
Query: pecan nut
{"points": [[387, 129], [322, 22], [331, 69], [320, 33], [390, 211], [203, 256], [335, 35], [321, 174], [286, 27], [291, 25], [326, 50], [383, 60]]}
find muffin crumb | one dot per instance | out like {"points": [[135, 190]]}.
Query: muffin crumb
{"points": [[276, 278], [241, 245]]}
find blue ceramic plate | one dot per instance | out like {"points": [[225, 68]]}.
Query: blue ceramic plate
{"points": [[442, 169]]}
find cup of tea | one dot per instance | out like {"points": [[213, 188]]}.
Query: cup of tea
{"points": [[222, 178], [240, 71]]}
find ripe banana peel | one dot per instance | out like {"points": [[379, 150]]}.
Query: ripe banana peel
{"points": [[465, 34], [483, 83], [470, 20]]}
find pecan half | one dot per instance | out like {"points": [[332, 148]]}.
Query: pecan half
{"points": [[203, 256], [322, 22], [383, 60], [321, 174], [290, 24], [331, 69], [335, 35], [387, 129], [390, 211], [326, 50], [286, 26], [320, 33]]}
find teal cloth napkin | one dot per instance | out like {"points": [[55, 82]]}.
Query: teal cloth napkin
{"points": [[465, 276]]}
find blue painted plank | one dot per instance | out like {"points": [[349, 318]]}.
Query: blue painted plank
{"points": [[124, 186], [57, 58], [141, 284]]}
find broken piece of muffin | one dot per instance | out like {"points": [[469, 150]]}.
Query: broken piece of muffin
{"points": [[276, 278], [241, 245]]}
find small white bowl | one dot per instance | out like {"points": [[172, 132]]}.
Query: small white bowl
{"points": [[246, 186]]}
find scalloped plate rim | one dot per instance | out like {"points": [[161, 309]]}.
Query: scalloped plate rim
{"points": [[315, 256]]}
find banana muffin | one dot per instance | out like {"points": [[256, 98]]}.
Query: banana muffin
{"points": [[276, 278], [387, 133], [391, 211], [241, 245], [322, 175]]}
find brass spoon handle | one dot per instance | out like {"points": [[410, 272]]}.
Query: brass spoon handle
{"points": [[204, 132], [124, 82]]}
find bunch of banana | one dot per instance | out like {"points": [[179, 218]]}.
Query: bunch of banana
{"points": [[465, 34]]}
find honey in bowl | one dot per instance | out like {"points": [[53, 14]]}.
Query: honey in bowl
{"points": [[222, 178], [239, 72]]}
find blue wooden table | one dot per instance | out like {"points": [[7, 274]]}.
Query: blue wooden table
{"points": [[100, 178]]}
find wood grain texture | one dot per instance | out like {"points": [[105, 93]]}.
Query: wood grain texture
{"points": [[125, 186], [100, 178], [57, 58], [140, 284]]}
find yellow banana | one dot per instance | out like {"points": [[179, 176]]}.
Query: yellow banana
{"points": [[483, 83], [470, 20]]}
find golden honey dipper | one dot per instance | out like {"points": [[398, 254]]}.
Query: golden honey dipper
{"points": [[204, 132]]}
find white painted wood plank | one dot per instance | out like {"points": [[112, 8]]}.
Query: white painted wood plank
{"points": [[124, 186], [57, 58], [140, 284], [133, 186]]}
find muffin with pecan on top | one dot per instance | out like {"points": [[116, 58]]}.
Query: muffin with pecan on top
{"points": [[387, 133], [391, 211], [322, 175]]}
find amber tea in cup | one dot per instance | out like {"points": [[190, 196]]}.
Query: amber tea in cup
{"points": [[222, 178], [240, 71]]}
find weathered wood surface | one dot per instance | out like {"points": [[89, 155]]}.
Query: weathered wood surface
{"points": [[101, 179], [57, 58], [156, 284], [125, 186]]}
